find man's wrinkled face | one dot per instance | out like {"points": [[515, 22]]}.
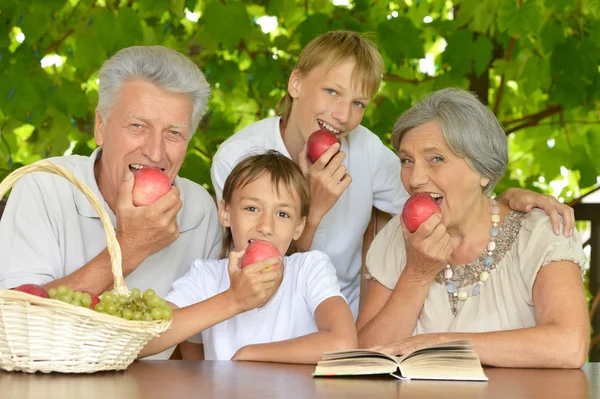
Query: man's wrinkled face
{"points": [[147, 127]]}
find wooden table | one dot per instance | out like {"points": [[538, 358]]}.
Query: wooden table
{"points": [[222, 380]]}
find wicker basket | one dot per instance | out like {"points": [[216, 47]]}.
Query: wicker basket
{"points": [[38, 334]]}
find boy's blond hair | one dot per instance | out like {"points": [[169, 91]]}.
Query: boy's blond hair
{"points": [[283, 171], [333, 48]]}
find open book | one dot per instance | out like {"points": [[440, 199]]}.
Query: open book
{"points": [[454, 360]]}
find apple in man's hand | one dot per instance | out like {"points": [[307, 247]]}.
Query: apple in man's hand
{"points": [[259, 250], [418, 209], [150, 184], [319, 142]]}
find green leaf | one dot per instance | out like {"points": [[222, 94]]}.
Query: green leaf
{"points": [[226, 23], [552, 33], [311, 27], [482, 54], [559, 6], [88, 54], [571, 66], [105, 23], [458, 52], [34, 25], [191, 4], [586, 167], [129, 29], [593, 138], [153, 7], [484, 15], [519, 21], [411, 45], [595, 32]]}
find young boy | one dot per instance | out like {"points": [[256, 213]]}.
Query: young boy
{"points": [[293, 313], [336, 76]]}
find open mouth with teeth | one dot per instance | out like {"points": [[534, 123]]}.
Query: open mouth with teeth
{"points": [[134, 167], [437, 197], [326, 126]]}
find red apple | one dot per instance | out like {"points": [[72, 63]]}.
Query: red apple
{"points": [[259, 250], [150, 184], [95, 299], [418, 209], [319, 142], [33, 289]]}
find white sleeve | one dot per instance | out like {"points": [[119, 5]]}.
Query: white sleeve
{"points": [[389, 194], [190, 288], [29, 246], [319, 279], [219, 171]]}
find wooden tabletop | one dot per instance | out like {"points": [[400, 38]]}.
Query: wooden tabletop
{"points": [[223, 380]]}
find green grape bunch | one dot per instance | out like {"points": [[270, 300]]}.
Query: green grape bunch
{"points": [[146, 307], [139, 307], [77, 298]]}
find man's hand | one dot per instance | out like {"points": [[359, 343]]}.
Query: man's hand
{"points": [[522, 200], [327, 179], [145, 230]]}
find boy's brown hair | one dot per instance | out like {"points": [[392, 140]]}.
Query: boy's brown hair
{"points": [[332, 48], [282, 171]]}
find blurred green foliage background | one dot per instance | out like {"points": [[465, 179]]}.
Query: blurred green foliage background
{"points": [[534, 62]]}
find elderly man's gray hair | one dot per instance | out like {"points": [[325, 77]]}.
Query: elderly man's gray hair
{"points": [[167, 68], [471, 130]]}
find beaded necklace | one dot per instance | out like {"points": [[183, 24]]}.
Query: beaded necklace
{"points": [[449, 276]]}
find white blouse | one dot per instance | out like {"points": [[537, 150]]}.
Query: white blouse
{"points": [[525, 243]]}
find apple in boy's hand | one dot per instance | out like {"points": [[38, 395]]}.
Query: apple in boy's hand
{"points": [[150, 184], [319, 142], [259, 250], [418, 209], [33, 289]]}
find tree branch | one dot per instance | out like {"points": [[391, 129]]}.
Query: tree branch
{"points": [[394, 78], [551, 110], [511, 47], [570, 123], [57, 43], [533, 119]]}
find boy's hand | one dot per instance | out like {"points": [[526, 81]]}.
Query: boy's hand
{"points": [[327, 179], [249, 288]]}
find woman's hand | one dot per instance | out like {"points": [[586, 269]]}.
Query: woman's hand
{"points": [[427, 249], [404, 346], [522, 200]]}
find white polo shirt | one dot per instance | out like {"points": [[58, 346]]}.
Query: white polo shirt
{"points": [[49, 230], [309, 278], [375, 171]]}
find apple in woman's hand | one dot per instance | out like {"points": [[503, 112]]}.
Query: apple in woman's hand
{"points": [[418, 209]]}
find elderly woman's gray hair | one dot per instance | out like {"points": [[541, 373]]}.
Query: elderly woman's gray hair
{"points": [[471, 130], [167, 68]]}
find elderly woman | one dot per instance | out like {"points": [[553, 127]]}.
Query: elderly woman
{"points": [[477, 270]]}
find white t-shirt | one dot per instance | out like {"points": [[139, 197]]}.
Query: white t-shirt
{"points": [[49, 230], [375, 171], [308, 279]]}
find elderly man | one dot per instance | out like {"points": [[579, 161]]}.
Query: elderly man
{"points": [[151, 100]]}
